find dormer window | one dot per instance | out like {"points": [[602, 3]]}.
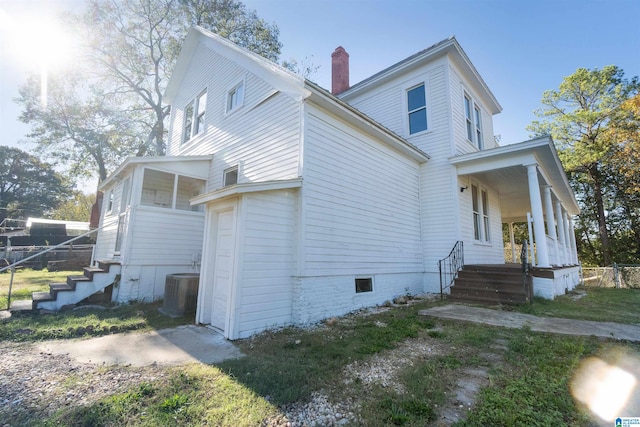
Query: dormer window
{"points": [[194, 116], [417, 109], [235, 97]]}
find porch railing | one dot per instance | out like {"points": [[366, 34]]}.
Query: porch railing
{"points": [[449, 267], [12, 267]]}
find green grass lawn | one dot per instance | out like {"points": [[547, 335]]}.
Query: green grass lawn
{"points": [[529, 386], [590, 303], [27, 281]]}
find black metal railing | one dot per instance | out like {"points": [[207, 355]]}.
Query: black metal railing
{"points": [[450, 266]]}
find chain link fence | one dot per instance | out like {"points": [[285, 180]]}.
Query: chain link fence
{"points": [[617, 276]]}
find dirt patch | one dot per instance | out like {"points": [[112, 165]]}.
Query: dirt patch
{"points": [[35, 384]]}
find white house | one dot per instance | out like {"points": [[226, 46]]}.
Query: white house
{"points": [[296, 204]]}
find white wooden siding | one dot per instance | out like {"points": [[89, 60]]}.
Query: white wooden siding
{"points": [[106, 237], [268, 260], [262, 135], [458, 86], [491, 252], [361, 203], [164, 236]]}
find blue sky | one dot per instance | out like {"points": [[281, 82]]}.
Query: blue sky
{"points": [[521, 48]]}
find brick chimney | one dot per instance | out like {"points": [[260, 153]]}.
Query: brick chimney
{"points": [[339, 70]]}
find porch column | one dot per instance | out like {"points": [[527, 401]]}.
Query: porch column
{"points": [[551, 223], [572, 239], [567, 238], [538, 216], [561, 233], [514, 257]]}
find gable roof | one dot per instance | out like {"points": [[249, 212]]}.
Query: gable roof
{"points": [[285, 81], [449, 46], [276, 75]]}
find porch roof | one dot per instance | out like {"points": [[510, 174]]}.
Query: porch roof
{"points": [[158, 161], [247, 187], [504, 169]]}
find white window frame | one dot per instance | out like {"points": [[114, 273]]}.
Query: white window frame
{"points": [[477, 115], [229, 105], [193, 124], [235, 169], [472, 112], [481, 217], [468, 114], [405, 105], [199, 113], [163, 199], [109, 202], [365, 292]]}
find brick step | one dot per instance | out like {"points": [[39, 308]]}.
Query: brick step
{"points": [[73, 280], [489, 280], [37, 297], [71, 283], [90, 271], [506, 268], [54, 288], [493, 276], [473, 290], [491, 300]]}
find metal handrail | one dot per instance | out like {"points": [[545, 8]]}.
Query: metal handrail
{"points": [[12, 267], [450, 265]]}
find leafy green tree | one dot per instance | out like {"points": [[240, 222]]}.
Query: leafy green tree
{"points": [[80, 127], [28, 187], [578, 116], [76, 208], [109, 104], [133, 45]]}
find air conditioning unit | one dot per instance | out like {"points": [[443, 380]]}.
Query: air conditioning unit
{"points": [[180, 294]]}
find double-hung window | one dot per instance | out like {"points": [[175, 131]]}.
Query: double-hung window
{"points": [[478, 118], [480, 207], [468, 119], [417, 109], [194, 116], [473, 121]]}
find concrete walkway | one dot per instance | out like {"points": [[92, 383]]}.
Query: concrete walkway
{"points": [[173, 346], [554, 325]]}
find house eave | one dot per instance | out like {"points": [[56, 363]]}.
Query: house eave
{"points": [[244, 188], [281, 78], [449, 46], [539, 150]]}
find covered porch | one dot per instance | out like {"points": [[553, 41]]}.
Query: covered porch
{"points": [[533, 190]]}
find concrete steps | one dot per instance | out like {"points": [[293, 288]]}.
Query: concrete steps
{"points": [[491, 284], [77, 287]]}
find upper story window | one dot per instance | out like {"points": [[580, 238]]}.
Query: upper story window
{"points": [[473, 122], [417, 109], [235, 97], [468, 118], [194, 115], [478, 117]]}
